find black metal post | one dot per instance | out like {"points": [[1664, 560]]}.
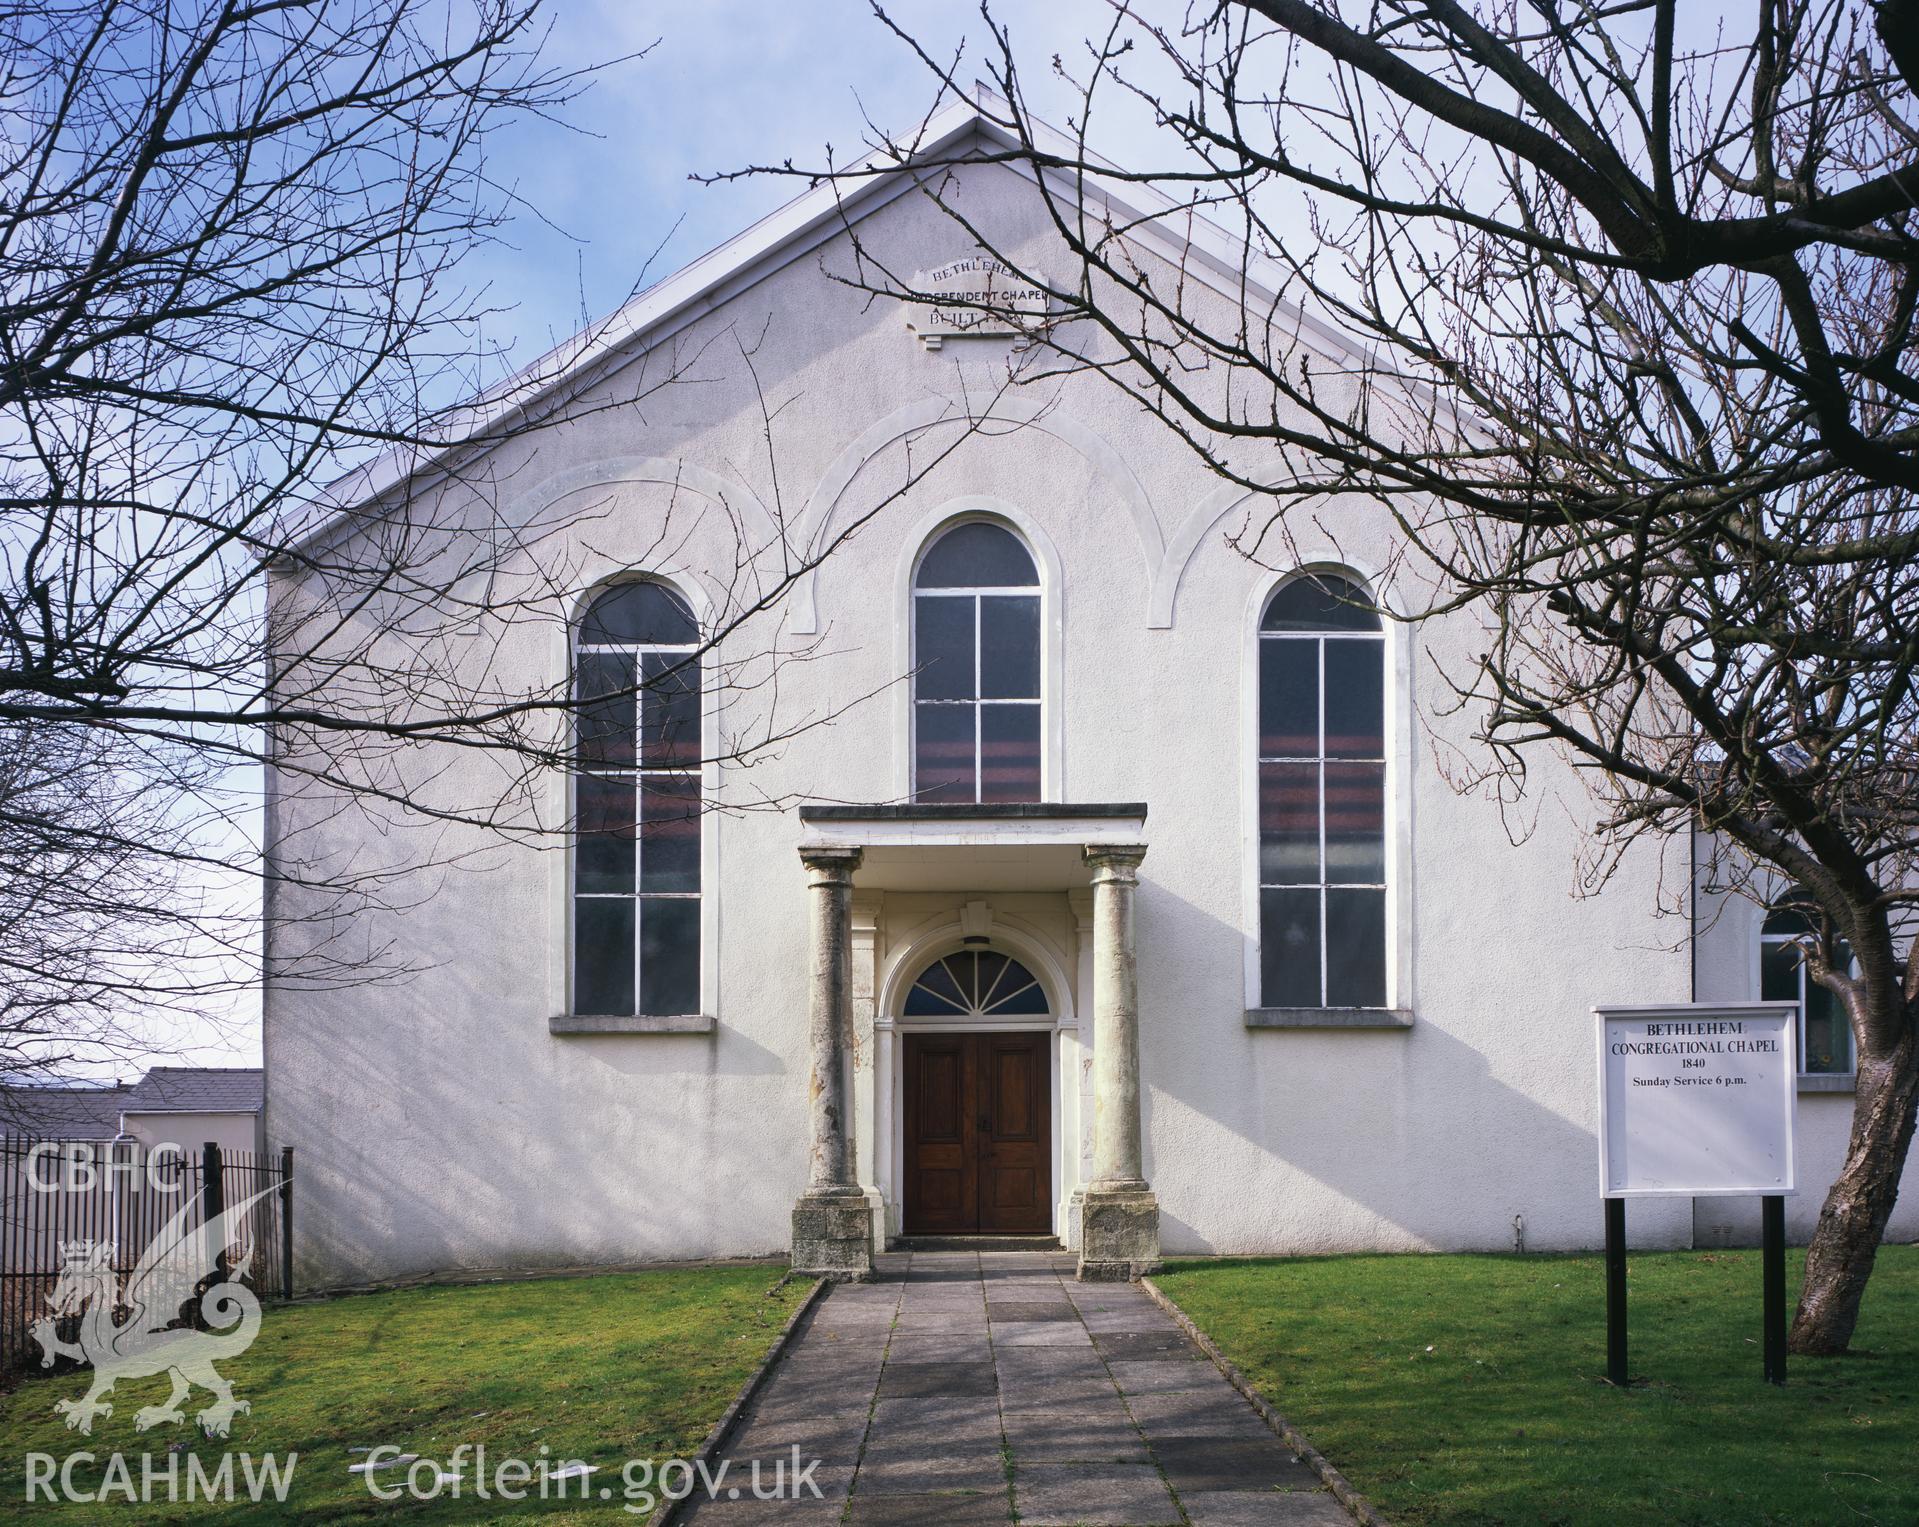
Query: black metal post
{"points": [[213, 1202], [212, 1183], [1772, 1256], [286, 1222], [1616, 1291]]}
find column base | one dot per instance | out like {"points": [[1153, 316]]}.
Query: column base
{"points": [[833, 1236], [1075, 1219], [1119, 1235]]}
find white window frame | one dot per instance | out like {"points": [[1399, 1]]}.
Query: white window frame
{"points": [[1046, 562], [697, 772], [1760, 942], [1401, 995]]}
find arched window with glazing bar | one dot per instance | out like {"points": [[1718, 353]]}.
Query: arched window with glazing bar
{"points": [[1322, 796], [976, 668], [636, 848]]}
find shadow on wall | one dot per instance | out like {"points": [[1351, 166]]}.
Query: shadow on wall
{"points": [[1361, 1140], [692, 1145]]}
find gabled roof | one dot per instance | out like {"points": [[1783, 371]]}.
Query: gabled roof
{"points": [[1212, 255], [198, 1089], [62, 1113]]}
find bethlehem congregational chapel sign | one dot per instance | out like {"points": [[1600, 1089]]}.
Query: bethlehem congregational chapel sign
{"points": [[975, 296], [1696, 1099]]}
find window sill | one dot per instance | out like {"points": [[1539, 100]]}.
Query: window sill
{"points": [[1828, 1081], [1329, 1018], [620, 1023]]}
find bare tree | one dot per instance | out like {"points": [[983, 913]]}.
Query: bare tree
{"points": [[1634, 294], [251, 516]]}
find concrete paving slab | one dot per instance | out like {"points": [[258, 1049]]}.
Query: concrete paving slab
{"points": [[927, 1320], [1047, 1365], [1038, 1395], [1203, 1463], [1132, 1346], [1100, 1432], [762, 1513], [1042, 1333], [901, 1380], [835, 1441], [1102, 1322], [1107, 1295], [940, 1347], [931, 1510], [1094, 1494], [950, 1416], [966, 1473], [1030, 1309], [1197, 1412], [807, 1393], [855, 1317], [736, 1494], [907, 1442], [1163, 1376], [1265, 1508]]}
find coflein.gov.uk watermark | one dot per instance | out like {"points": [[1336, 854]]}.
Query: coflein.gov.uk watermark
{"points": [[392, 1475], [467, 1473]]}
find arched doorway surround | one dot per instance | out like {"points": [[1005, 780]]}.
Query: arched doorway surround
{"points": [[975, 1031]]}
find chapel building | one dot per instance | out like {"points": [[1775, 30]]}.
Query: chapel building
{"points": [[1039, 859]]}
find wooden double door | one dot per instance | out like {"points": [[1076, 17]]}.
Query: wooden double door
{"points": [[978, 1134]]}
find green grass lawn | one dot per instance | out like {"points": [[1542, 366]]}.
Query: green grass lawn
{"points": [[1471, 1388], [602, 1369]]}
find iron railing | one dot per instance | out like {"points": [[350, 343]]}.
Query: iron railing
{"points": [[55, 1194]]}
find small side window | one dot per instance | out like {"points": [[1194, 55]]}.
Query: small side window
{"points": [[1825, 1033]]}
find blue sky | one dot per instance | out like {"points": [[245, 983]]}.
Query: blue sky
{"points": [[730, 82], [726, 83]]}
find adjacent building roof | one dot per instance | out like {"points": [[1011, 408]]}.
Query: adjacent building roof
{"points": [[62, 1113], [198, 1089], [94, 1113]]}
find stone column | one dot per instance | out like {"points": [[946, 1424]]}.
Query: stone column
{"points": [[1119, 1234], [832, 1229]]}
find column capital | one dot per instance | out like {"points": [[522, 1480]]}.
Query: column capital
{"points": [[1111, 862], [831, 863]]}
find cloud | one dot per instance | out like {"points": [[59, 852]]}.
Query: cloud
{"points": [[729, 83]]}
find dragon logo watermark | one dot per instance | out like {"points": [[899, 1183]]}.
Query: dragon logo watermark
{"points": [[137, 1331]]}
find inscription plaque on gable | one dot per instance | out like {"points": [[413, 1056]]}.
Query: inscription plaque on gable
{"points": [[976, 296]]}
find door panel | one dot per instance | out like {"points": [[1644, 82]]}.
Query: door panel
{"points": [[977, 1134], [1016, 1151], [942, 1174]]}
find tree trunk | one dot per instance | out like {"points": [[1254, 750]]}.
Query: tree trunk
{"points": [[1854, 1216]]}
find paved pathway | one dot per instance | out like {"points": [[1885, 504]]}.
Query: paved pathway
{"points": [[964, 1388]]}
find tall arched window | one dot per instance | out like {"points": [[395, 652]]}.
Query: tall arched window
{"points": [[636, 853], [976, 681], [1825, 1035], [1322, 796]]}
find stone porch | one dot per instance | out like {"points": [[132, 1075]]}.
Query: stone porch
{"points": [[1088, 855]]}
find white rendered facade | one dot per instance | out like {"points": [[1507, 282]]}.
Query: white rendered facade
{"points": [[469, 1117]]}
